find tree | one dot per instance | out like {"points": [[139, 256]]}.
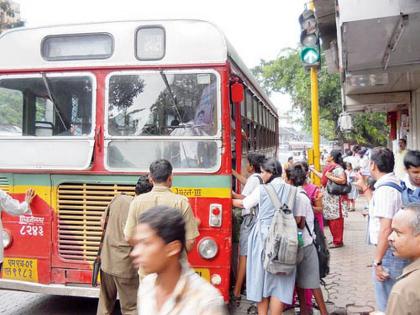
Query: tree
{"points": [[123, 90], [9, 17], [287, 75]]}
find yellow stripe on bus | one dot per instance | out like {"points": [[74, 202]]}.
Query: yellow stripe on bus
{"points": [[190, 192], [197, 192], [42, 191]]}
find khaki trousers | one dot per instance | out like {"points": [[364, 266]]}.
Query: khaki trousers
{"points": [[127, 292]]}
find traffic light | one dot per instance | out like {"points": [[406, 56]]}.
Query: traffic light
{"points": [[309, 38]]}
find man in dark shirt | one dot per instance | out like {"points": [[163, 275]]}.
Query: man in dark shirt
{"points": [[118, 275]]}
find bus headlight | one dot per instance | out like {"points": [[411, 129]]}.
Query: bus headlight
{"points": [[7, 238], [207, 248]]}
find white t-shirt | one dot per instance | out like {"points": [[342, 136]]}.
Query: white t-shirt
{"points": [[364, 165], [386, 202], [399, 168], [305, 210], [11, 206], [408, 184], [251, 183]]}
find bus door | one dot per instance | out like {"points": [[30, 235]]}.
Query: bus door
{"points": [[237, 96]]}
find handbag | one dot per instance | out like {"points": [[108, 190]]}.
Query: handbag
{"points": [[97, 262], [338, 189]]}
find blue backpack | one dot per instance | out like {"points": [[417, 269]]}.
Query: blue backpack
{"points": [[407, 195]]}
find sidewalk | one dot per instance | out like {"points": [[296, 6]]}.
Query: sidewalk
{"points": [[349, 285]]}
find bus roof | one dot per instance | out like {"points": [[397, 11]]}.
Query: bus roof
{"points": [[187, 42]]}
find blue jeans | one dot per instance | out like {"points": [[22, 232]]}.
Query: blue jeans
{"points": [[395, 267]]}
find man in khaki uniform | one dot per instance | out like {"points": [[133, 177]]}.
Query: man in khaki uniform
{"points": [[161, 195], [405, 241], [118, 275]]}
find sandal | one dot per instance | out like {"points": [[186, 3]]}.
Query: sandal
{"points": [[236, 300], [252, 310], [336, 246]]}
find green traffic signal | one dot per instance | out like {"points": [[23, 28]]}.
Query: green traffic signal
{"points": [[310, 56], [309, 39]]}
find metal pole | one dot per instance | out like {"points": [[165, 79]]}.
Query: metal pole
{"points": [[315, 122], [315, 115]]}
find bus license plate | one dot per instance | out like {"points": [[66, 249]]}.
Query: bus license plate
{"points": [[203, 273], [24, 269]]}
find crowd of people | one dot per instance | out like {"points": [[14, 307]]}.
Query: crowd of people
{"points": [[393, 228], [147, 238]]}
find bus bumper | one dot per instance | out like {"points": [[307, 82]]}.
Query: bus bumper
{"points": [[54, 289]]}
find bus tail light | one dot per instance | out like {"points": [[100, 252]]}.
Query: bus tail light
{"points": [[7, 238], [207, 248], [215, 215]]}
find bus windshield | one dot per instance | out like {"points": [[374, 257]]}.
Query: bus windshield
{"points": [[45, 105], [177, 108], [172, 104]]}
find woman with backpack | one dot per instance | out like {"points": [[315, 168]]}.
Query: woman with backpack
{"points": [[334, 207], [307, 276], [267, 289]]}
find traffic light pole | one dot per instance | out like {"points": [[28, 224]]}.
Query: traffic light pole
{"points": [[315, 115], [315, 122]]}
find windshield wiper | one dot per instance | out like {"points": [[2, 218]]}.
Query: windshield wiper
{"points": [[175, 104], [172, 96], [54, 102]]}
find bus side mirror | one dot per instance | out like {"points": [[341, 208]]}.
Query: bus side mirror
{"points": [[237, 92]]}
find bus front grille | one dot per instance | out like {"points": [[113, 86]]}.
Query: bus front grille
{"points": [[80, 207]]}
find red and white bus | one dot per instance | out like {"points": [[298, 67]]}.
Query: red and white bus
{"points": [[85, 109]]}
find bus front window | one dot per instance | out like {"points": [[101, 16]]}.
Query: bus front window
{"points": [[162, 104], [176, 110], [45, 106]]}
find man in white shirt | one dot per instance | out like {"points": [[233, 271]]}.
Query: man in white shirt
{"points": [[385, 204], [399, 158], [13, 207], [171, 287]]}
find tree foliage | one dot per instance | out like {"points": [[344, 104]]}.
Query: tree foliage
{"points": [[10, 107], [124, 90], [287, 75]]}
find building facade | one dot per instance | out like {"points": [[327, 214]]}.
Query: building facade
{"points": [[374, 46]]}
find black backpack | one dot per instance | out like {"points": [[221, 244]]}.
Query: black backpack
{"points": [[321, 246]]}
